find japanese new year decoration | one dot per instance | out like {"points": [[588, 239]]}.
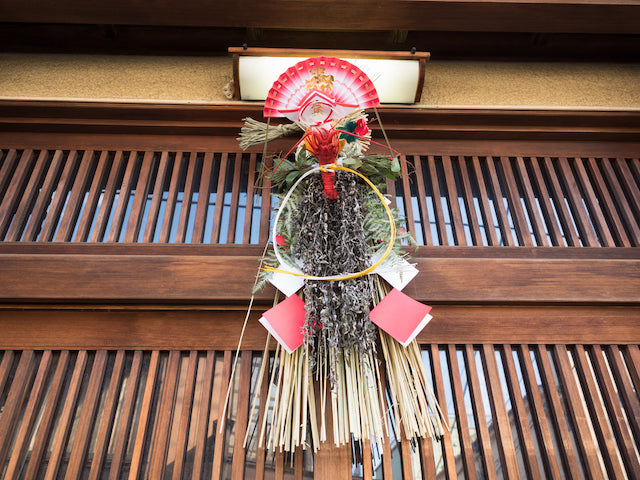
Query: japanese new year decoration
{"points": [[346, 350]]}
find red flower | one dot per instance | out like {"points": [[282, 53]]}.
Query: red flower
{"points": [[361, 128], [280, 240]]}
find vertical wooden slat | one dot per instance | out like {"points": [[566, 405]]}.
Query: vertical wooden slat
{"points": [[498, 203], [629, 184], [126, 417], [367, 460], [468, 461], [237, 464], [82, 437], [570, 233], [580, 214], [264, 401], [437, 201], [65, 422], [606, 202], [187, 194], [108, 415], [123, 198], [48, 416], [467, 192], [513, 198], [265, 204], [279, 465], [203, 416], [30, 415], [298, 464], [92, 200], [505, 445], [387, 464], [622, 203], [170, 207], [203, 199], [545, 442], [76, 198], [422, 202], [520, 415], [628, 395], [156, 199], [145, 417], [483, 199], [600, 427], [406, 190], [6, 171], [28, 198], [14, 191], [632, 355], [481, 422], [530, 202], [235, 197], [585, 441], [427, 461], [596, 216], [102, 219], [14, 400], [5, 368], [140, 199], [447, 445], [545, 204], [217, 211], [454, 205], [221, 427], [185, 416], [391, 193], [164, 419], [405, 453], [616, 416], [248, 212]]}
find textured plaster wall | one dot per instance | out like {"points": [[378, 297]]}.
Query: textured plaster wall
{"points": [[201, 80]]}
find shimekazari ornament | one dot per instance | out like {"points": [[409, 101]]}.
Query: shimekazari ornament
{"points": [[336, 256]]}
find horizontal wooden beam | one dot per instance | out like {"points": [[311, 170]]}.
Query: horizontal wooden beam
{"points": [[199, 328], [139, 274]]}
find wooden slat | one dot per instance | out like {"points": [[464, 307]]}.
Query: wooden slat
{"points": [[5, 368], [564, 216], [260, 449], [406, 195], [628, 181], [113, 182], [140, 198], [156, 198], [367, 460], [187, 194], [580, 214], [505, 445], [437, 201], [15, 190], [221, 426], [248, 212], [30, 194], [217, 211], [235, 197], [545, 441], [484, 439], [592, 401], [545, 204], [387, 464], [242, 414], [91, 204], [6, 171], [422, 201], [14, 401], [466, 445], [76, 198], [513, 198], [298, 464], [449, 459], [452, 200], [87, 421], [532, 206], [203, 199], [579, 417], [625, 386], [622, 203], [632, 356], [614, 410], [164, 418], [65, 421], [467, 191], [135, 470], [185, 416], [596, 217], [498, 203], [108, 416], [527, 448], [179, 167], [204, 409], [48, 416], [483, 198], [265, 204], [405, 453], [123, 198], [30, 415]]}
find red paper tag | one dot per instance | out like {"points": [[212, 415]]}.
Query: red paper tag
{"points": [[400, 316], [285, 322]]}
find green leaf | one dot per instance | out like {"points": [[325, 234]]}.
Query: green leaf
{"points": [[395, 165], [291, 177]]}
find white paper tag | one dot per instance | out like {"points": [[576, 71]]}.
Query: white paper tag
{"points": [[395, 270], [287, 284]]}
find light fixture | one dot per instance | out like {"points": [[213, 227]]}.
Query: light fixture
{"points": [[397, 76]]}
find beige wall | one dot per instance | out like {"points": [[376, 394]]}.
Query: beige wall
{"points": [[201, 80]]}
